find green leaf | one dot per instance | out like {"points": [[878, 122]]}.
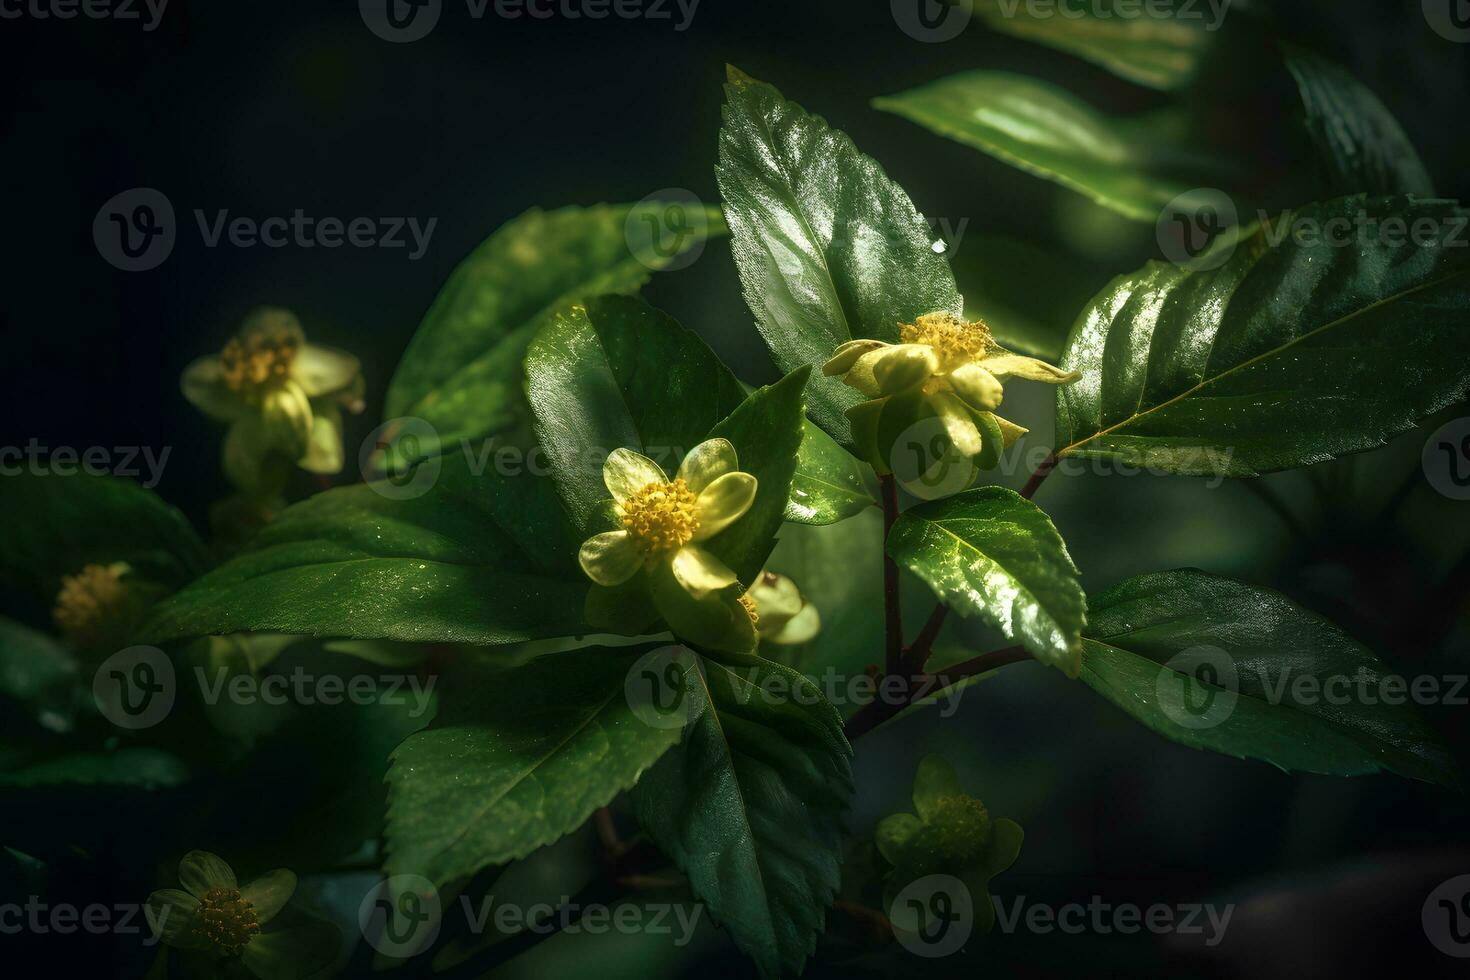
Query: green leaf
{"points": [[750, 806], [1359, 143], [1290, 352], [36, 671], [827, 246], [766, 430], [449, 565], [515, 760], [990, 552], [462, 370], [135, 767], [619, 374], [1133, 165], [1217, 664], [1029, 295], [57, 524], [1161, 52], [829, 485]]}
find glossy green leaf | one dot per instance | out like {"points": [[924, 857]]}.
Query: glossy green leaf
{"points": [[1133, 165], [57, 524], [827, 246], [1293, 351], [766, 430], [462, 370], [1162, 52], [1359, 143], [750, 807], [829, 485], [515, 760], [991, 553], [614, 374], [618, 373], [1217, 664], [453, 561], [36, 673]]}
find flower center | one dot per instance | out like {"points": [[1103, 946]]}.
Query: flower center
{"points": [[955, 341], [226, 920], [94, 606], [662, 517], [750, 610], [261, 356], [962, 825]]}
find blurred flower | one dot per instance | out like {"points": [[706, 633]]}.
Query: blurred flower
{"points": [[98, 609], [282, 398], [216, 917], [949, 833], [782, 615], [663, 522], [945, 367]]}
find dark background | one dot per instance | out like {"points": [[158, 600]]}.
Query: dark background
{"points": [[265, 108]]}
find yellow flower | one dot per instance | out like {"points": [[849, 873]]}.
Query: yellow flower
{"points": [[955, 368], [215, 916], [782, 615], [99, 607], [281, 396], [664, 522]]}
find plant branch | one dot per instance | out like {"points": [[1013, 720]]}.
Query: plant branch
{"points": [[1038, 475], [918, 651], [922, 686], [892, 611]]}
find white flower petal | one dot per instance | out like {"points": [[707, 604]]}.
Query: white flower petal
{"points": [[724, 502], [846, 355], [204, 386], [979, 389], [958, 423], [1007, 365], [708, 461], [700, 572], [324, 370], [627, 472], [270, 892], [610, 558], [904, 366], [200, 871]]}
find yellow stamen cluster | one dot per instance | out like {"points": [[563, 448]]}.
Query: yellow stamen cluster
{"points": [[954, 340], [749, 605], [262, 355], [226, 920], [661, 517], [93, 606], [963, 827]]}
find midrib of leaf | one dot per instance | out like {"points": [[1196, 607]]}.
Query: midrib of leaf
{"points": [[848, 492], [1356, 737], [1259, 357], [1020, 587], [491, 803], [760, 872], [786, 194]]}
